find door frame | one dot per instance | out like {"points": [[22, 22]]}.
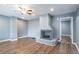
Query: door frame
{"points": [[71, 19]]}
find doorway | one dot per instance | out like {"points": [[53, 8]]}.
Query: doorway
{"points": [[66, 28], [22, 28]]}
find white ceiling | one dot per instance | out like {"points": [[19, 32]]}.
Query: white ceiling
{"points": [[38, 9]]}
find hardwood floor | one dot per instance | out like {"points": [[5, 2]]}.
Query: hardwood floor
{"points": [[29, 46]]}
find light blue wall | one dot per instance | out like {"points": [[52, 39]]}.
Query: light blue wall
{"points": [[29, 28], [55, 26], [34, 28], [22, 27], [77, 27], [7, 27], [4, 27], [66, 27], [13, 28], [56, 22]]}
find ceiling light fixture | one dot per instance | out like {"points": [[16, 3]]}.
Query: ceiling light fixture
{"points": [[25, 10], [29, 12], [52, 9]]}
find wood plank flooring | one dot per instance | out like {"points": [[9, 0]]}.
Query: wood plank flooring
{"points": [[29, 46]]}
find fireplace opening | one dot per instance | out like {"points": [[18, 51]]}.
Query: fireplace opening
{"points": [[46, 34]]}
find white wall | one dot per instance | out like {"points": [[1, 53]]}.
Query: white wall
{"points": [[45, 22]]}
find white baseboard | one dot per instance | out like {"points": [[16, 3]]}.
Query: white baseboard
{"points": [[22, 36], [13, 39], [8, 40], [66, 35], [76, 46]]}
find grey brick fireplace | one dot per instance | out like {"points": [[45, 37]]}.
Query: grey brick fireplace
{"points": [[46, 34], [46, 31]]}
